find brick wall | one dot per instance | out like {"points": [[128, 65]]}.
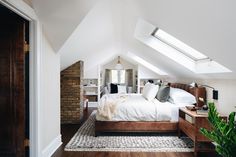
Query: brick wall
{"points": [[72, 93]]}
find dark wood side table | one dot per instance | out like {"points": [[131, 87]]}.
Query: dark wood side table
{"points": [[190, 122]]}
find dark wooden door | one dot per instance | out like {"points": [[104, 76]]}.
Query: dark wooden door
{"points": [[11, 84]]}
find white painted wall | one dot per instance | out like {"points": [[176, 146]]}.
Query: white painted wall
{"points": [[60, 17], [50, 99], [144, 73], [92, 41], [93, 61], [226, 94]]}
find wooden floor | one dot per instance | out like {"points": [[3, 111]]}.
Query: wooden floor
{"points": [[69, 130]]}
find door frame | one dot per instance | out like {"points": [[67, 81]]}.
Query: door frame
{"points": [[35, 32]]}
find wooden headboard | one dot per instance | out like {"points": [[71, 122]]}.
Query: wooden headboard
{"points": [[196, 91]]}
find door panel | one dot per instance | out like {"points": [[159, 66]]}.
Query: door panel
{"points": [[7, 131], [11, 85]]}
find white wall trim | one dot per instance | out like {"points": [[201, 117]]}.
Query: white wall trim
{"points": [[25, 11], [35, 87], [52, 147], [21, 8]]}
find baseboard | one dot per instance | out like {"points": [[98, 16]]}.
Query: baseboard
{"points": [[52, 147]]}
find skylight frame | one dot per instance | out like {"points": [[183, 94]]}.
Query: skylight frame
{"points": [[178, 45], [143, 33]]}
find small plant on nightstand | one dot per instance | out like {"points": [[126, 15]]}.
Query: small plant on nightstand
{"points": [[223, 134]]}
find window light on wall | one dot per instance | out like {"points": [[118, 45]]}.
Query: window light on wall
{"points": [[179, 45], [146, 64]]}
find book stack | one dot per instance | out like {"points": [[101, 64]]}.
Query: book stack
{"points": [[192, 108], [202, 112]]}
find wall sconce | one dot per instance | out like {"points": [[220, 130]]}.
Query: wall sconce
{"points": [[214, 92]]}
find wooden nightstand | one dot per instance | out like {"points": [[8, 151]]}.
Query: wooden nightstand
{"points": [[190, 123]]}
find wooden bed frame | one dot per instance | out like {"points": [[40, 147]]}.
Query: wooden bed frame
{"points": [[149, 126]]}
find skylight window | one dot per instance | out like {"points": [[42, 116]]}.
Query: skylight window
{"points": [[178, 45], [146, 64], [176, 50]]}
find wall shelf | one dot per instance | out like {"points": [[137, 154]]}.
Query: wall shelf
{"points": [[91, 90]]}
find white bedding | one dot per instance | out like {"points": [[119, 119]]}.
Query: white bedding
{"points": [[134, 107]]}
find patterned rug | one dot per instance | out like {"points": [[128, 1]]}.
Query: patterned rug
{"points": [[84, 140]]}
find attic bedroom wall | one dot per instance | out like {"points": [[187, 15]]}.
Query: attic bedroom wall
{"points": [[50, 99], [92, 41], [226, 89]]}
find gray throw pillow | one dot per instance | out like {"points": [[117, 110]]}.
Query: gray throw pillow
{"points": [[163, 93]]}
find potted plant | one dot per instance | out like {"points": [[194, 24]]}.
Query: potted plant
{"points": [[223, 133]]}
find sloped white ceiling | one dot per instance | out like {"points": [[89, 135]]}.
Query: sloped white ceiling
{"points": [[205, 26], [29, 2], [104, 29], [93, 41], [60, 18]]}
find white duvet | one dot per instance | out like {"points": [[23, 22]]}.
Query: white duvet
{"points": [[134, 107]]}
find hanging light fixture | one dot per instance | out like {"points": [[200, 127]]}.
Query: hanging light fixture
{"points": [[119, 66]]}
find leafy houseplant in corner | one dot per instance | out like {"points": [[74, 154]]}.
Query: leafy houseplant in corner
{"points": [[223, 133]]}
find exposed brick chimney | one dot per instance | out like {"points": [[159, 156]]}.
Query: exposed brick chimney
{"points": [[72, 93]]}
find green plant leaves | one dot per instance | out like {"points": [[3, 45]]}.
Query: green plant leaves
{"points": [[223, 133]]}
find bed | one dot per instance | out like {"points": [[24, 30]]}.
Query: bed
{"points": [[143, 116]]}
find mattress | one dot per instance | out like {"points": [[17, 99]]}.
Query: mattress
{"points": [[134, 107]]}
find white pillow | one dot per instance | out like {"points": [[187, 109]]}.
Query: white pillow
{"points": [[150, 91], [180, 96], [146, 87], [122, 89]]}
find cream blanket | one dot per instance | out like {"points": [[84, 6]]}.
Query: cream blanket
{"points": [[108, 106]]}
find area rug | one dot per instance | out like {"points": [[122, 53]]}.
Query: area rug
{"points": [[84, 140]]}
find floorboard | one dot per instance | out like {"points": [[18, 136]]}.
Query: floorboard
{"points": [[68, 130]]}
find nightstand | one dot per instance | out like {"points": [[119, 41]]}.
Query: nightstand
{"points": [[190, 123]]}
